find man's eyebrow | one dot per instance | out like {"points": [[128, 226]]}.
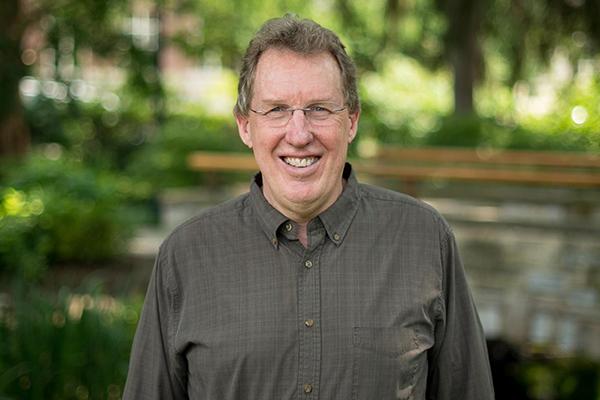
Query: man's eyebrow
{"points": [[285, 102], [273, 101]]}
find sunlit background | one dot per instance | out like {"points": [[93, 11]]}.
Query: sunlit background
{"points": [[103, 101]]}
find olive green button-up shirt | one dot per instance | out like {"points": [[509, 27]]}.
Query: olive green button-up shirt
{"points": [[376, 307]]}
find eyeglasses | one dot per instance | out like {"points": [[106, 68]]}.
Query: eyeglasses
{"points": [[316, 115]]}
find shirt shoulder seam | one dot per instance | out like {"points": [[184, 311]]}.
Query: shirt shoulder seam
{"points": [[396, 197], [229, 207]]}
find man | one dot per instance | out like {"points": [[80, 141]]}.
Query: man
{"points": [[310, 286]]}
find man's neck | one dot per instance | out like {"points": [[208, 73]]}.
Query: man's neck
{"points": [[303, 234], [300, 212], [303, 217]]}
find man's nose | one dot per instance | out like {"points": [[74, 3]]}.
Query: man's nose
{"points": [[298, 130]]}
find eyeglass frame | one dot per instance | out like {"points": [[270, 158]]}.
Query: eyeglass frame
{"points": [[291, 111]]}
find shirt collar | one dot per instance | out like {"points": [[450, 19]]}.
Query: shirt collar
{"points": [[336, 219], [269, 218]]}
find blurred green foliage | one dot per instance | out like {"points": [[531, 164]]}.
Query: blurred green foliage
{"points": [[59, 210], [23, 251], [162, 161], [406, 104], [101, 138], [562, 379], [70, 345]]}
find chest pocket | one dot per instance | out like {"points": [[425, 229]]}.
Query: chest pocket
{"points": [[385, 363]]}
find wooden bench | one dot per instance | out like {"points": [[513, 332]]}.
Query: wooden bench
{"points": [[414, 165]]}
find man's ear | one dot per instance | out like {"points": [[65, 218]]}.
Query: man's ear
{"points": [[353, 126], [244, 129]]}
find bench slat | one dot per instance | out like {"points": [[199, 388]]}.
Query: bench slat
{"points": [[418, 173], [490, 156], [207, 161]]}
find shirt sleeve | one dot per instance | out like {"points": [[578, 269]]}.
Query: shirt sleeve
{"points": [[155, 371], [459, 367]]}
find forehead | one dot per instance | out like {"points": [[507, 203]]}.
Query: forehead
{"points": [[284, 75]]}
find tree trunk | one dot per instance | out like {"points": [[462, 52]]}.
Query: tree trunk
{"points": [[464, 79], [464, 17], [393, 11], [158, 97], [14, 132], [14, 135]]}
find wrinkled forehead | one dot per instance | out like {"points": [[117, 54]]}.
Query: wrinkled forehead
{"points": [[282, 74]]}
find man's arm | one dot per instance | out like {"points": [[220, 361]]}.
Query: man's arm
{"points": [[155, 371], [458, 363]]}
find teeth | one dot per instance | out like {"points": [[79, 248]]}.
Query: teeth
{"points": [[300, 162]]}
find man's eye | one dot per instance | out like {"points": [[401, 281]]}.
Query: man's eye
{"points": [[319, 109], [276, 110]]}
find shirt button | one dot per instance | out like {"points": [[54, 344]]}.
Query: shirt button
{"points": [[288, 227], [274, 241], [308, 264], [308, 388], [309, 323], [336, 236]]}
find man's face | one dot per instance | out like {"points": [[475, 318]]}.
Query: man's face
{"points": [[301, 162]]}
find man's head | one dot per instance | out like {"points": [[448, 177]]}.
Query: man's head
{"points": [[298, 110], [300, 36]]}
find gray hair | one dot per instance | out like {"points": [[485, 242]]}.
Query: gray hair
{"points": [[300, 36]]}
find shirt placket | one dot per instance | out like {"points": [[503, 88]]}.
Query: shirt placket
{"points": [[309, 325]]}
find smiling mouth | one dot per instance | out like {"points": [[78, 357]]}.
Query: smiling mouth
{"points": [[300, 162]]}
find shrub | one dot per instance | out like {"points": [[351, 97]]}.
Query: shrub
{"points": [[22, 251], [562, 379], [163, 160], [66, 346], [61, 211], [474, 131]]}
